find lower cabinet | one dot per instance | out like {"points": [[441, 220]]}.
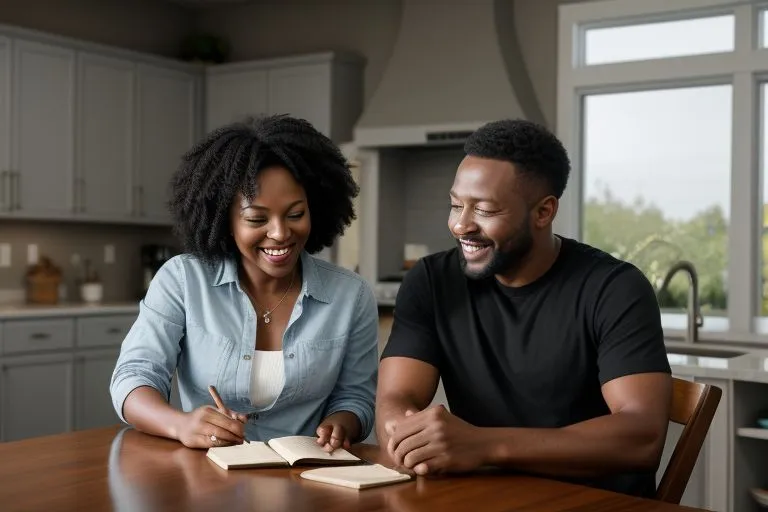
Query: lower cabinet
{"points": [[36, 397], [55, 374], [708, 486], [93, 404]]}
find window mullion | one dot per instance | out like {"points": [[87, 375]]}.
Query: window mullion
{"points": [[743, 227]]}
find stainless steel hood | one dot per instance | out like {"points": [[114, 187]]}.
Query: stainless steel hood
{"points": [[456, 65]]}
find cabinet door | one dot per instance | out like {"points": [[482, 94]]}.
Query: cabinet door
{"points": [[93, 402], [43, 126], [302, 91], [165, 131], [5, 122], [715, 453], [105, 136], [35, 396], [232, 96]]}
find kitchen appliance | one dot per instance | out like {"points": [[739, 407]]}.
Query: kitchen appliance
{"points": [[153, 256]]}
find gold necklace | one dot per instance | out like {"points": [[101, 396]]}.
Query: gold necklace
{"points": [[268, 312]]}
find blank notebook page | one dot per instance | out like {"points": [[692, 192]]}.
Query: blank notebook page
{"points": [[300, 447], [357, 477], [254, 452]]}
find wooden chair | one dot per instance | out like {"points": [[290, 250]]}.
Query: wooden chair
{"points": [[693, 405]]}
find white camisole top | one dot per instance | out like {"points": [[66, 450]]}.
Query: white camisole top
{"points": [[267, 376]]}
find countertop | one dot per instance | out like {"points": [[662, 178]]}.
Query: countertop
{"points": [[11, 311], [751, 366]]}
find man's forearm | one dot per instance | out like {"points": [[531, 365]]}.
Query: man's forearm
{"points": [[616, 442], [391, 408]]}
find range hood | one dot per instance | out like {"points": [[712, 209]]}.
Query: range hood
{"points": [[455, 66]]}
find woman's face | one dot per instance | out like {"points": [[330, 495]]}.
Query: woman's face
{"points": [[271, 231]]}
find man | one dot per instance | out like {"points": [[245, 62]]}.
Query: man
{"points": [[551, 352]]}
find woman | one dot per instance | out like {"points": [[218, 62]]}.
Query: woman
{"points": [[288, 340]]}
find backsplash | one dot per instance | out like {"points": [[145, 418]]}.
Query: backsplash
{"points": [[122, 279]]}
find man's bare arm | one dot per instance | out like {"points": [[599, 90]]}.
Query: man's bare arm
{"points": [[403, 384], [630, 438]]}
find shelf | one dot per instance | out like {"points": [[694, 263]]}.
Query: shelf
{"points": [[754, 433]]}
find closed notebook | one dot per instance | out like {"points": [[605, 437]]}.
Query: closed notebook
{"points": [[281, 451], [358, 477]]}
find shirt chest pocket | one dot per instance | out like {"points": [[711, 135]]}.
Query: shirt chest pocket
{"points": [[320, 362], [204, 357]]}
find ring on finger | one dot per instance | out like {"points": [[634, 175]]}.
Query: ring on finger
{"points": [[214, 440]]}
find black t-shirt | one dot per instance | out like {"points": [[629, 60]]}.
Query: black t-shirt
{"points": [[533, 356]]}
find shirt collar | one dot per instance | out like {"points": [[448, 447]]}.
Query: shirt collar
{"points": [[226, 272]]}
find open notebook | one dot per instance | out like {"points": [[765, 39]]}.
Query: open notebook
{"points": [[281, 451], [359, 477]]}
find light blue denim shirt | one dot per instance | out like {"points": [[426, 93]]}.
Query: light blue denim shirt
{"points": [[196, 320]]}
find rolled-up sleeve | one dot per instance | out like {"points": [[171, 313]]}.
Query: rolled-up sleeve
{"points": [[150, 351], [355, 389]]}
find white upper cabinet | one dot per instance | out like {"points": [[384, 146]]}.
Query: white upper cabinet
{"points": [[105, 141], [325, 89], [5, 124], [167, 129], [232, 95], [42, 129]]}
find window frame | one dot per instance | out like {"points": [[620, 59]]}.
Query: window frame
{"points": [[745, 69]]}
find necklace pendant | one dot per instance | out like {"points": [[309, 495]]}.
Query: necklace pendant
{"points": [[266, 318]]}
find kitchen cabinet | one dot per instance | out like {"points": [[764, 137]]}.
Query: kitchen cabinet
{"points": [[89, 133], [5, 123], [325, 89], [166, 129], [55, 373], [36, 396], [42, 129], [105, 139]]}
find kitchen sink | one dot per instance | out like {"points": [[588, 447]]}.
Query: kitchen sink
{"points": [[704, 352]]}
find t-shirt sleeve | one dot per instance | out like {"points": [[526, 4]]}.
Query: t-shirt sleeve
{"points": [[413, 327], [628, 330]]}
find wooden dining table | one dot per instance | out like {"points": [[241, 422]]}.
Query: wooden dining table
{"points": [[119, 468]]}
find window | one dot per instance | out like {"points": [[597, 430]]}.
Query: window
{"points": [[675, 38], [668, 138], [763, 29], [764, 218], [656, 185]]}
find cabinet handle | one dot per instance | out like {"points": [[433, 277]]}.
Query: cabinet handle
{"points": [[40, 336], [141, 200], [114, 330], [16, 190], [5, 203], [80, 195]]}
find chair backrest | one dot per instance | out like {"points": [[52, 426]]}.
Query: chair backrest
{"points": [[693, 405]]}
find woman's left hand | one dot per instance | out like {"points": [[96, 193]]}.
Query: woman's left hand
{"points": [[337, 430]]}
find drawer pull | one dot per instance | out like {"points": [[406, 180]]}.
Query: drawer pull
{"points": [[114, 330], [40, 336]]}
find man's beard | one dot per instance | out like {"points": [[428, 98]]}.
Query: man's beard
{"points": [[502, 261]]}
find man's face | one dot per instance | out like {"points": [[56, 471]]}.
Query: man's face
{"points": [[490, 217]]}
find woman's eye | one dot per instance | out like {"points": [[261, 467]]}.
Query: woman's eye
{"points": [[296, 215], [256, 221]]}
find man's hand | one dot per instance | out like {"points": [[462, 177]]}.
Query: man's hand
{"points": [[435, 441]]}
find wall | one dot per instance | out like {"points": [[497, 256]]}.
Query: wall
{"points": [[122, 280], [274, 28], [152, 26]]}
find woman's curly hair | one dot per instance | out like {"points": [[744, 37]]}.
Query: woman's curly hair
{"points": [[229, 159]]}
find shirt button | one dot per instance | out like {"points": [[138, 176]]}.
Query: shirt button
{"points": [[291, 355], [247, 357]]}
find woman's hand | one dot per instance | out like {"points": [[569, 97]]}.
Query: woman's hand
{"points": [[338, 430], [206, 427]]}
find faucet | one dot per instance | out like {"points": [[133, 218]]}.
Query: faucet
{"points": [[695, 320]]}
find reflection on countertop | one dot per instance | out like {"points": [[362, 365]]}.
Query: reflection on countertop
{"points": [[716, 361]]}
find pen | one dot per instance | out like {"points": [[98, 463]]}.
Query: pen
{"points": [[220, 404]]}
